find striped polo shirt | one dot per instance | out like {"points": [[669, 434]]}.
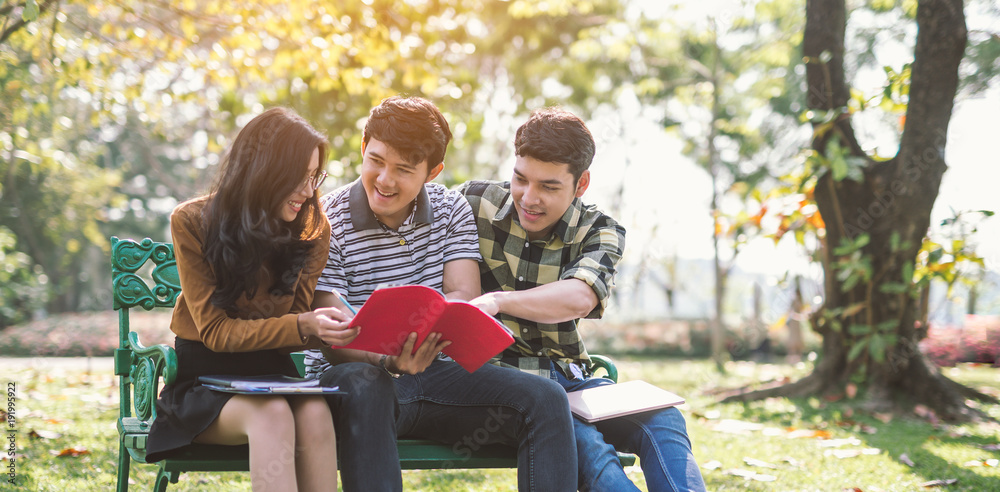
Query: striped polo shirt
{"points": [[364, 254]]}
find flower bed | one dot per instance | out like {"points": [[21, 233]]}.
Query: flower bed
{"points": [[977, 341]]}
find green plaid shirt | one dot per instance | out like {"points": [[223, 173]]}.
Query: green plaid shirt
{"points": [[586, 244]]}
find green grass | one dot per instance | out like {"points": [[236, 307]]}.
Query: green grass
{"points": [[80, 408]]}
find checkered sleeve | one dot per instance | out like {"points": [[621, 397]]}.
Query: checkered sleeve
{"points": [[462, 238], [597, 261]]}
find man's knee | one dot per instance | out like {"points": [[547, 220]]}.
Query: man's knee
{"points": [[543, 391], [355, 377], [368, 389]]}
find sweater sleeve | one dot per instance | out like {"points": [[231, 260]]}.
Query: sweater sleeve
{"points": [[271, 320]]}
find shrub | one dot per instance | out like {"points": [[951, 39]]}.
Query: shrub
{"points": [[977, 341], [981, 339], [93, 334], [943, 345]]}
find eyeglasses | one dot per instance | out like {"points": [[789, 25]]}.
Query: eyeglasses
{"points": [[314, 182]]}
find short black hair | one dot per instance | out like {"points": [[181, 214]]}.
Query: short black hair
{"points": [[556, 135], [413, 126]]}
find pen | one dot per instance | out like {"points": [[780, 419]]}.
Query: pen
{"points": [[298, 389], [344, 300]]}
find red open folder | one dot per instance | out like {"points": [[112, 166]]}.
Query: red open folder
{"points": [[392, 313]]}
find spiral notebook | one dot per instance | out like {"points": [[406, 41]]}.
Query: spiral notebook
{"points": [[614, 400]]}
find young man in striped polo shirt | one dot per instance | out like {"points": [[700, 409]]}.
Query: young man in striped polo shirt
{"points": [[549, 260], [393, 226]]}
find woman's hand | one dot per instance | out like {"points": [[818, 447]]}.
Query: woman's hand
{"points": [[409, 362], [329, 325]]}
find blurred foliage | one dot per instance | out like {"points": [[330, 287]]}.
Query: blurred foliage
{"points": [[21, 291], [113, 111]]}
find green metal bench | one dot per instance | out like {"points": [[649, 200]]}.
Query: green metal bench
{"points": [[141, 369]]}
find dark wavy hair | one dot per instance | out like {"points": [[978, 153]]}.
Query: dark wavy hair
{"points": [[556, 135], [413, 126], [243, 229]]}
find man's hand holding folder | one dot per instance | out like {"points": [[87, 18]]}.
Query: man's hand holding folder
{"points": [[391, 314]]}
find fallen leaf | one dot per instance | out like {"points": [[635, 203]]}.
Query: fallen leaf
{"points": [[851, 390], [885, 418], [57, 421], [71, 452], [925, 412], [836, 443], [853, 489], [44, 434], [807, 433], [792, 461], [760, 463], [850, 453], [903, 458], [740, 472], [712, 465], [992, 463], [939, 483], [731, 426], [990, 447], [851, 424]]}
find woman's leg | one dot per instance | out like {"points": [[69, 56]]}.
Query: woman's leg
{"points": [[266, 423], [315, 443]]}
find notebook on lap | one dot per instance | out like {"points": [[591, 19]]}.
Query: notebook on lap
{"points": [[615, 400]]}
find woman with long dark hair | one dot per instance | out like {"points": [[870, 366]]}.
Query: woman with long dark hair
{"points": [[249, 255]]}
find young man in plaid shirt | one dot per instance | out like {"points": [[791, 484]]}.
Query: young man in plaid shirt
{"points": [[549, 260]]}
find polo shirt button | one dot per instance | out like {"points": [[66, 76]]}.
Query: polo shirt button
{"points": [[525, 245], [539, 352], [525, 330], [521, 279], [402, 242]]}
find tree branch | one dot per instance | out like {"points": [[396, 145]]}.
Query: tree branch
{"points": [[20, 23]]}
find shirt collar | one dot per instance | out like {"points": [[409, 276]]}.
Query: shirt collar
{"points": [[362, 216], [565, 228]]}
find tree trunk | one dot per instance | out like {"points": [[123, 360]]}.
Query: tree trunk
{"points": [[892, 205], [718, 325]]}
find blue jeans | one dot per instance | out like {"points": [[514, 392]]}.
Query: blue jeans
{"points": [[659, 437], [446, 403], [365, 421]]}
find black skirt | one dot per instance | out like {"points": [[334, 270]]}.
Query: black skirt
{"points": [[186, 408]]}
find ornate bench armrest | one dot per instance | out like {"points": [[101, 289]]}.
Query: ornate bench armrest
{"points": [[148, 365], [602, 362]]}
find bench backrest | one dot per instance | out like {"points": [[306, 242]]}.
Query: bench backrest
{"points": [[130, 290]]}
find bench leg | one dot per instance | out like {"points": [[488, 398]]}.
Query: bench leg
{"points": [[123, 464], [164, 478]]}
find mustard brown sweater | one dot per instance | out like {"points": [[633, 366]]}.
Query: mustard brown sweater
{"points": [[267, 321]]}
